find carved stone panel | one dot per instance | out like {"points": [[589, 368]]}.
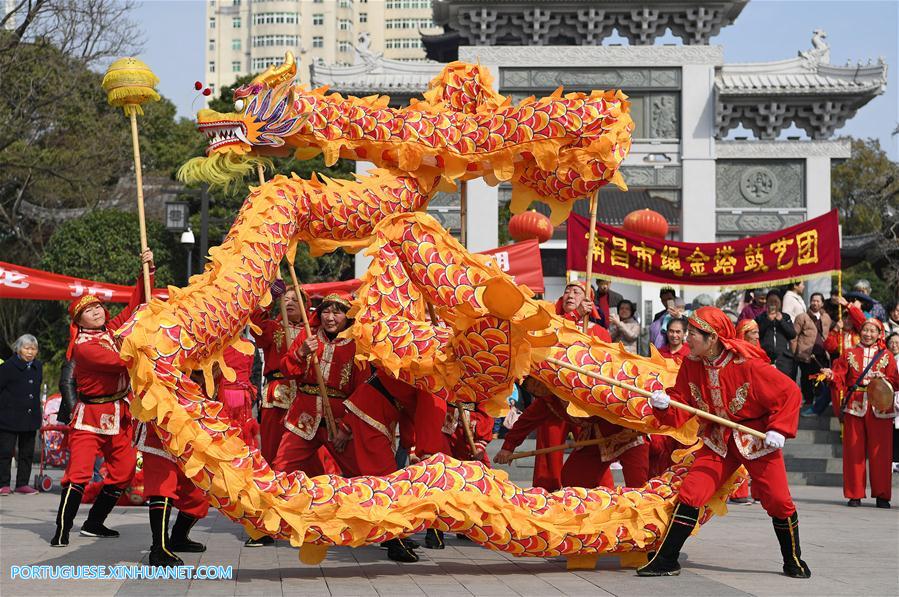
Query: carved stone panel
{"points": [[751, 184], [651, 177], [734, 225], [588, 78]]}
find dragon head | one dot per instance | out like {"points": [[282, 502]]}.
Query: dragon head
{"points": [[265, 114]]}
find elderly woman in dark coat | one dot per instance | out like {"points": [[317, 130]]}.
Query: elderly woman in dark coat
{"points": [[20, 413]]}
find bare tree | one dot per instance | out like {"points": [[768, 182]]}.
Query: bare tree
{"points": [[60, 144]]}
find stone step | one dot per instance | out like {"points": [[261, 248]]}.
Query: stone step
{"points": [[816, 436], [804, 450], [814, 465], [826, 422], [814, 478]]}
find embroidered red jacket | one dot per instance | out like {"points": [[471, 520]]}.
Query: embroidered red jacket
{"points": [[481, 426], [341, 377], [848, 335], [419, 414], [270, 338], [748, 391], [847, 369], [100, 372], [551, 408]]}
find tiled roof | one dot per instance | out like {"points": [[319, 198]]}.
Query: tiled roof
{"points": [[379, 75], [799, 76]]}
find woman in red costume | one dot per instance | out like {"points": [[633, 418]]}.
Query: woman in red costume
{"points": [[101, 421], [867, 432], [734, 380]]}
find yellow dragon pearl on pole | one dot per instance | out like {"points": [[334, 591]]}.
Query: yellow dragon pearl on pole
{"points": [[128, 83]]}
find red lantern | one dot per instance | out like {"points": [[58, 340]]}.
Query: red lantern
{"points": [[647, 223], [530, 224]]}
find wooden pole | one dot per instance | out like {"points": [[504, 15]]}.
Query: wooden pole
{"points": [[465, 420], [588, 286], [463, 213], [680, 405], [285, 322], [141, 216], [551, 449], [330, 422]]}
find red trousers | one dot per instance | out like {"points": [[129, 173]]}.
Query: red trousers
{"points": [[867, 438], [548, 467], [298, 454], [768, 474], [372, 451], [118, 452], [585, 468], [163, 477], [271, 427]]}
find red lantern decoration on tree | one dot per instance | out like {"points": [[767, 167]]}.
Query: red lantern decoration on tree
{"points": [[530, 224], [647, 223]]}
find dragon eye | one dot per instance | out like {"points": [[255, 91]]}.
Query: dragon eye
{"points": [[238, 105]]}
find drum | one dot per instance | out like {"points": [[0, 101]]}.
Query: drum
{"points": [[880, 395]]}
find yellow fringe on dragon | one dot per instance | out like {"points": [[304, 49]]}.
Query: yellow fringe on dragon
{"points": [[491, 332]]}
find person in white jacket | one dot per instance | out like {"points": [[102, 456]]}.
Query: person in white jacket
{"points": [[793, 303]]}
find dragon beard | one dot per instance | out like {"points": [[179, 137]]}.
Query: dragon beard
{"points": [[221, 170]]}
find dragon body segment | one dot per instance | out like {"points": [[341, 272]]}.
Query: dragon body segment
{"points": [[485, 332]]}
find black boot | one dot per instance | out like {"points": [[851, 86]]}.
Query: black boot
{"points": [[105, 502], [65, 517], [398, 551], [434, 539], [664, 563], [787, 531], [160, 552], [180, 531], [260, 542]]}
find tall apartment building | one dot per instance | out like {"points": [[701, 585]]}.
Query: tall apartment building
{"points": [[247, 36]]}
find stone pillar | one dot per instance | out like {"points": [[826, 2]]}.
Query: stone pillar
{"points": [[482, 216], [362, 261], [698, 157], [817, 201]]}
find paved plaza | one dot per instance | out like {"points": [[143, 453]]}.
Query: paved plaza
{"points": [[850, 551]]}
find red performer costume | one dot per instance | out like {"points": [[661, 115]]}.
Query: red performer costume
{"points": [[280, 393], [167, 486], [868, 432], [734, 380], [373, 411], [586, 466], [101, 421], [306, 429], [849, 334], [481, 426], [548, 467], [680, 354], [237, 396]]}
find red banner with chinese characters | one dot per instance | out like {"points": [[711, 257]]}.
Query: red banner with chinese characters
{"points": [[519, 260], [806, 250]]}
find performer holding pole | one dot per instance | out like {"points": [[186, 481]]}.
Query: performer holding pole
{"points": [[735, 380]]}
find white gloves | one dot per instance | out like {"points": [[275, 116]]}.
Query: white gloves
{"points": [[659, 400], [774, 440]]}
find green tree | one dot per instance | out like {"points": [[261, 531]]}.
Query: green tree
{"points": [[865, 190], [104, 245]]}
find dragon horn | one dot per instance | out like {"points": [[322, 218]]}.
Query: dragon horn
{"points": [[275, 75]]}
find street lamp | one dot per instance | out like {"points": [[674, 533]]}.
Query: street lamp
{"points": [[187, 239]]}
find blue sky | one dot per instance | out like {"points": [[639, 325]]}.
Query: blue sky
{"points": [[765, 30]]}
